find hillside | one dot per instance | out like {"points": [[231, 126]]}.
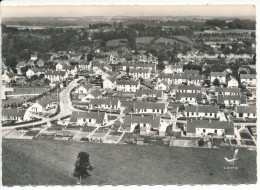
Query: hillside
{"points": [[51, 162]]}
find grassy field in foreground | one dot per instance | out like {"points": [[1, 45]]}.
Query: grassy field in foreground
{"points": [[50, 162]]}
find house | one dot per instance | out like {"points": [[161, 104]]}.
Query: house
{"points": [[186, 89], [97, 64], [227, 91], [162, 85], [173, 69], [40, 63], [196, 80], [167, 77], [210, 127], [149, 93], [191, 98], [30, 63], [232, 82], [179, 78], [20, 65], [202, 111], [146, 124], [105, 103], [147, 107], [133, 65], [30, 73], [95, 94], [89, 118], [127, 85], [221, 76], [248, 79], [245, 112], [230, 100], [55, 76], [59, 67], [33, 57], [70, 70], [8, 77], [140, 73], [109, 83], [13, 114], [84, 65], [83, 89]]}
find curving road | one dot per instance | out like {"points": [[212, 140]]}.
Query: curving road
{"points": [[65, 107]]}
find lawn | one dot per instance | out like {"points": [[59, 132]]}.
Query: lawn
{"points": [[51, 162]]}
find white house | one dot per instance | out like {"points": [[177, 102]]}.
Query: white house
{"points": [[105, 103], [56, 76], [202, 111], [227, 91], [232, 83], [109, 83], [162, 85], [221, 76], [89, 118], [151, 93], [147, 107], [209, 127], [127, 86], [191, 98], [83, 89], [140, 73], [30, 73], [245, 112], [173, 69], [231, 100], [186, 89], [248, 79]]}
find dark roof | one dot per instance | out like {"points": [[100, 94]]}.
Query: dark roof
{"points": [[83, 62], [218, 74], [231, 90], [112, 79], [96, 93], [154, 121], [192, 72], [157, 93], [195, 77], [210, 124], [8, 112], [246, 109], [46, 100], [148, 105], [186, 87], [140, 70], [86, 86], [106, 101], [198, 96], [222, 98], [165, 75], [127, 82], [99, 116], [248, 76], [52, 72], [180, 76], [203, 109]]}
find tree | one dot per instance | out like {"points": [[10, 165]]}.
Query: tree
{"points": [[216, 82], [82, 166], [161, 65]]}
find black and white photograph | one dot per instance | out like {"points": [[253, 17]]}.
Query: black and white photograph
{"points": [[128, 94]]}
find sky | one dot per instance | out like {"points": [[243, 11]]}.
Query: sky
{"points": [[79, 11]]}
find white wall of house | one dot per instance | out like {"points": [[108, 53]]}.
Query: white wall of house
{"points": [[251, 82], [143, 75], [107, 84], [201, 114], [144, 110], [127, 88], [246, 115], [222, 80], [81, 90], [205, 131], [232, 83]]}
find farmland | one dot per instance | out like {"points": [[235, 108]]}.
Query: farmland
{"points": [[50, 162]]}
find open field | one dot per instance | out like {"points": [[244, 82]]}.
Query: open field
{"points": [[50, 162]]}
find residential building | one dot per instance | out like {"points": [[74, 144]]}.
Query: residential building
{"points": [[105, 103], [186, 89], [221, 76], [227, 91], [231, 100], [95, 94], [149, 93], [202, 111], [191, 98], [13, 114], [84, 65], [248, 79], [162, 85], [246, 112], [83, 89], [173, 69], [147, 107], [89, 118], [109, 83], [210, 127], [232, 83], [127, 86], [140, 73], [56, 76]]}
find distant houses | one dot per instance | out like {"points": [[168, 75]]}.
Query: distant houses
{"points": [[127, 86], [204, 111], [221, 76], [248, 79], [145, 107]]}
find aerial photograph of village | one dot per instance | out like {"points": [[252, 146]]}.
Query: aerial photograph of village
{"points": [[128, 95]]}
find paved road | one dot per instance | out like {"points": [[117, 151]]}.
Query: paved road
{"points": [[65, 107]]}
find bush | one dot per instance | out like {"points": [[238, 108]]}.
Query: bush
{"points": [[201, 143]]}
